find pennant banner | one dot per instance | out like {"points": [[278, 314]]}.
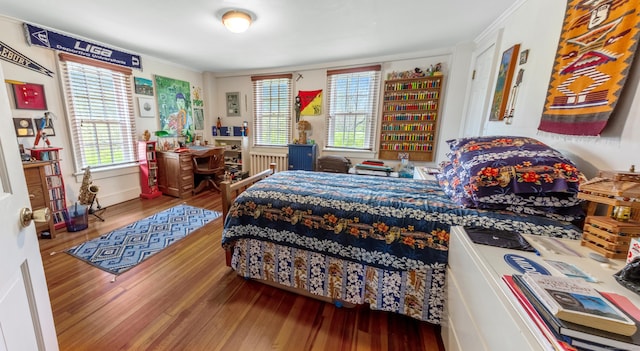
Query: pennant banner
{"points": [[596, 49], [310, 102], [56, 41], [9, 54]]}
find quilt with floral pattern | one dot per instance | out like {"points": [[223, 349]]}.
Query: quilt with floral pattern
{"points": [[386, 239]]}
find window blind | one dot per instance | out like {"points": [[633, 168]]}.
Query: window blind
{"points": [[272, 104], [353, 102], [100, 112]]}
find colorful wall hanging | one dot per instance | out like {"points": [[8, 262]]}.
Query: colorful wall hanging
{"points": [[174, 105], [503, 83], [310, 102], [594, 55], [9, 54]]}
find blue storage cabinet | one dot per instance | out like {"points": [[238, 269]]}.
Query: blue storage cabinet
{"points": [[303, 157]]}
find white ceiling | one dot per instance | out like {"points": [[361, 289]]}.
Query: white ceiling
{"points": [[284, 33]]}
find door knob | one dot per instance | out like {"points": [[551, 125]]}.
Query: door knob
{"points": [[40, 216]]}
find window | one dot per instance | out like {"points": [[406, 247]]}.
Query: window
{"points": [[100, 112], [353, 101], [272, 106]]}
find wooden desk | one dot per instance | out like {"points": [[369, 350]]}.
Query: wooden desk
{"points": [[175, 172], [34, 174]]}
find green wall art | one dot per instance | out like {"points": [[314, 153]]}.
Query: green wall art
{"points": [[174, 107]]}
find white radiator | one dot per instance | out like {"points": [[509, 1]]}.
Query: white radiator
{"points": [[260, 162]]}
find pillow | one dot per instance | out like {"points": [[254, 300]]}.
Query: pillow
{"points": [[510, 171]]}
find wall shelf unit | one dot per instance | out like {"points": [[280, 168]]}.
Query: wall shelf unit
{"points": [[54, 182], [410, 118]]}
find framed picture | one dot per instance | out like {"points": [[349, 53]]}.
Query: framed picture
{"points": [[147, 107], [29, 96], [47, 123], [233, 104], [503, 83], [524, 56], [24, 127], [198, 118], [143, 86]]}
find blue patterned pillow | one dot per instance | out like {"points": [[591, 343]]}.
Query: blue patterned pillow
{"points": [[511, 171]]}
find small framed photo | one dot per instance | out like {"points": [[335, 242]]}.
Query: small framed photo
{"points": [[524, 56], [29, 96], [233, 104], [147, 107], [24, 127], [46, 125]]}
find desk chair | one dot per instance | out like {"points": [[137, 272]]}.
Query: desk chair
{"points": [[209, 164]]}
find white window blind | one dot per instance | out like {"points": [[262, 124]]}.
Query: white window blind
{"points": [[100, 112], [272, 108], [353, 104]]}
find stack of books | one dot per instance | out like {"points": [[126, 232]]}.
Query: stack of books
{"points": [[573, 315]]}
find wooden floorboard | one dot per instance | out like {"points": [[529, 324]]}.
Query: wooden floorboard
{"points": [[185, 298]]}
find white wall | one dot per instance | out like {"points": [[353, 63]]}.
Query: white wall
{"points": [[115, 185], [536, 25], [455, 62]]}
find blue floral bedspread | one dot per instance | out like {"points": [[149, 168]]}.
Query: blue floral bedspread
{"points": [[392, 223], [381, 223]]}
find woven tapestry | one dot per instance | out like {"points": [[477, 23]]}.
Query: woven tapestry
{"points": [[595, 52]]}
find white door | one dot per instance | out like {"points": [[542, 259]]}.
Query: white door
{"points": [[478, 100], [26, 320], [477, 111]]}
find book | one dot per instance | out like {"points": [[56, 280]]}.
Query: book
{"points": [[574, 300], [576, 334], [557, 341]]}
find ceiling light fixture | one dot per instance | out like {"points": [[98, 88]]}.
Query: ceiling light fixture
{"points": [[236, 21]]}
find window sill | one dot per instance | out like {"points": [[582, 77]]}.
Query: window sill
{"points": [[109, 172]]}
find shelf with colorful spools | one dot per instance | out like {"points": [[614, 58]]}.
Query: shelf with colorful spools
{"points": [[610, 234], [410, 117]]}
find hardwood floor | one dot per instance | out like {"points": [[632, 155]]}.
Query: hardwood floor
{"points": [[185, 298]]}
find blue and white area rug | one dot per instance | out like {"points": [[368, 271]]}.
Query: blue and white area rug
{"points": [[123, 248]]}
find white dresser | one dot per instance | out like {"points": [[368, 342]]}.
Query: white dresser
{"points": [[481, 312]]}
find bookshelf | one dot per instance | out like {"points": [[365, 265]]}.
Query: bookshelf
{"points": [[481, 311], [236, 153], [410, 118], [54, 182], [148, 170]]}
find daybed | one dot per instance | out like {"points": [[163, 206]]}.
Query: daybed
{"points": [[381, 241]]}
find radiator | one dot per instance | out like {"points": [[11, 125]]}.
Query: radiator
{"points": [[260, 162]]}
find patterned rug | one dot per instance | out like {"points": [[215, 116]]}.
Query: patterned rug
{"points": [[123, 248]]}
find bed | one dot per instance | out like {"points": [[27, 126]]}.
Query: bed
{"points": [[364, 240]]}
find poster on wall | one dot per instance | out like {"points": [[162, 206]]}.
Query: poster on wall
{"points": [[310, 102], [595, 51], [174, 106]]}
